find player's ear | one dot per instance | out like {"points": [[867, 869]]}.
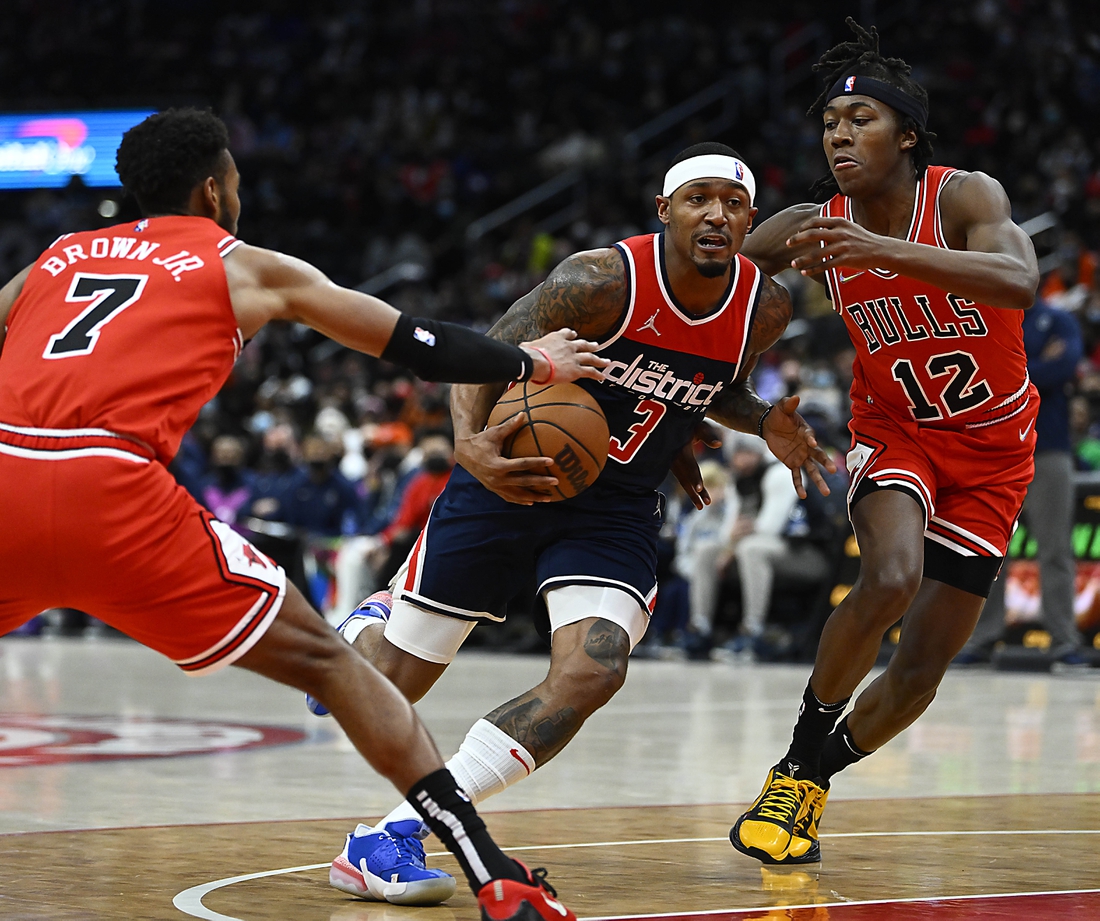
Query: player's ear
{"points": [[663, 206], [212, 196], [908, 139]]}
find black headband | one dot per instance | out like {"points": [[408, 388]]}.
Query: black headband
{"points": [[859, 85]]}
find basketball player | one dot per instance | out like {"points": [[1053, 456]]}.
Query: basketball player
{"points": [[114, 340], [932, 277], [683, 318]]}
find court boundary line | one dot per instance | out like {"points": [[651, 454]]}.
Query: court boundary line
{"points": [[189, 901]]}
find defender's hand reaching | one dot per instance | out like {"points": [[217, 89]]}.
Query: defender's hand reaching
{"points": [[791, 439], [569, 358], [522, 480]]}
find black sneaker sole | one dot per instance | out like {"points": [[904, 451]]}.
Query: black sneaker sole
{"points": [[813, 855]]}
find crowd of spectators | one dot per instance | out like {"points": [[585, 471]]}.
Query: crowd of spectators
{"points": [[371, 135]]}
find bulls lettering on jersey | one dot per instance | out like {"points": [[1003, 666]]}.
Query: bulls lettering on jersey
{"points": [[127, 330], [923, 353], [667, 365]]}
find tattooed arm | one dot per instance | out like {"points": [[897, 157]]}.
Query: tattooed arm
{"points": [[586, 293], [788, 436]]}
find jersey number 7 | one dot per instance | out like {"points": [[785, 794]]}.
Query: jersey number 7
{"points": [[107, 297]]}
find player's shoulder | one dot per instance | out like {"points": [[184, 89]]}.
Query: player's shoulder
{"points": [[597, 275], [971, 194]]}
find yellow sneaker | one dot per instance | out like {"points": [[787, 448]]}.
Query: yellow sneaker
{"points": [[765, 830], [804, 846]]}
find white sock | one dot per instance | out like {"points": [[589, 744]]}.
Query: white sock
{"points": [[488, 761]]}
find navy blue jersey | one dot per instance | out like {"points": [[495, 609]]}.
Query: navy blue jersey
{"points": [[667, 364]]}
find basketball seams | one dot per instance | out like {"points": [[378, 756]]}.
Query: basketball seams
{"points": [[569, 435], [566, 428]]}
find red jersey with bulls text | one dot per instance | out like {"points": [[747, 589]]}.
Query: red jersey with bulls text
{"points": [[667, 364], [923, 353], [128, 329]]}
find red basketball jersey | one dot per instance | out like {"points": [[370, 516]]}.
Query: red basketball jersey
{"points": [[127, 329], [923, 353], [667, 364]]}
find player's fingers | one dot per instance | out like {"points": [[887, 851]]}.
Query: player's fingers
{"points": [[819, 480], [708, 435], [704, 497], [512, 424], [824, 460], [796, 478], [789, 405], [567, 333]]}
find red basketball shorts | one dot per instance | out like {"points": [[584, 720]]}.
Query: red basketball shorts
{"points": [[91, 522], [971, 482]]}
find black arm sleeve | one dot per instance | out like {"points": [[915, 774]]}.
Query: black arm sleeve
{"points": [[440, 351]]}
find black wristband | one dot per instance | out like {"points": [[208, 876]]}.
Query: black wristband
{"points": [[760, 421], [439, 351]]}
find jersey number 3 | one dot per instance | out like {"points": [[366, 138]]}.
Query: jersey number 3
{"points": [[651, 412], [107, 296]]}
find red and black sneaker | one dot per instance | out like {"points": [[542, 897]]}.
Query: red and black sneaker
{"points": [[533, 900]]}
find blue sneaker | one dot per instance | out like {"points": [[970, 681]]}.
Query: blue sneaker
{"points": [[375, 608], [387, 865]]}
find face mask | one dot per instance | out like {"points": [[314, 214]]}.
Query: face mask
{"points": [[436, 463]]}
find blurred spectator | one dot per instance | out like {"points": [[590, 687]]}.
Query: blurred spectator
{"points": [[319, 499], [366, 563], [1052, 339], [227, 489], [275, 472], [703, 548]]}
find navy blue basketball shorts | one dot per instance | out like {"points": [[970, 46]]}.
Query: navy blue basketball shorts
{"points": [[594, 555]]}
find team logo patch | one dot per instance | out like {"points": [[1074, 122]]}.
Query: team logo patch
{"points": [[423, 335], [698, 379], [35, 740], [849, 84], [140, 226]]}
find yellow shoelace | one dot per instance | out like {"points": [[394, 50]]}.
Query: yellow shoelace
{"points": [[781, 801]]}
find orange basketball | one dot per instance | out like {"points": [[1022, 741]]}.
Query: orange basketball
{"points": [[563, 421]]}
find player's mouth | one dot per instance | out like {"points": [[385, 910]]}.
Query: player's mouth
{"points": [[843, 162], [713, 242]]}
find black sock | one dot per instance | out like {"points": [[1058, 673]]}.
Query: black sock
{"points": [[815, 722], [839, 751], [451, 815]]}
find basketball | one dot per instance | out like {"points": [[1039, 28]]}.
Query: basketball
{"points": [[563, 422]]}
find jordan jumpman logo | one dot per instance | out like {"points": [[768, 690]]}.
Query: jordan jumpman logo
{"points": [[650, 323]]}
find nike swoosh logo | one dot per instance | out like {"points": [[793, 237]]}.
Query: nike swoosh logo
{"points": [[844, 278], [557, 906], [515, 754], [1027, 428]]}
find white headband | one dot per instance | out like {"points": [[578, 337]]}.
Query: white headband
{"points": [[710, 166]]}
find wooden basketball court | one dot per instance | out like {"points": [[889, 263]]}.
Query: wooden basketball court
{"points": [[128, 790]]}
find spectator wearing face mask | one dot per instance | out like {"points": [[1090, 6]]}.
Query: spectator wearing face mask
{"points": [[275, 473], [320, 499], [227, 489], [367, 563]]}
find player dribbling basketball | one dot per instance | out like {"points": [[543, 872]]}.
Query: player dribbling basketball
{"points": [[683, 318]]}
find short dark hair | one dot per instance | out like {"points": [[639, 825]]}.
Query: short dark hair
{"points": [[161, 159], [702, 150], [862, 58]]}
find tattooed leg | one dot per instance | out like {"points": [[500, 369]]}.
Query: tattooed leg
{"points": [[587, 666]]}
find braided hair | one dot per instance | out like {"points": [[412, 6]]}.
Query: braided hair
{"points": [[862, 58], [161, 159]]}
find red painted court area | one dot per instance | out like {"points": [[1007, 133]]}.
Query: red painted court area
{"points": [[1047, 906]]}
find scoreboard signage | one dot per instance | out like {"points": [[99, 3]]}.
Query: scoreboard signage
{"points": [[45, 151]]}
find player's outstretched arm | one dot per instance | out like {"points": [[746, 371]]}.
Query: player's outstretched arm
{"points": [[586, 293], [990, 259], [739, 407], [8, 294], [265, 285], [766, 245]]}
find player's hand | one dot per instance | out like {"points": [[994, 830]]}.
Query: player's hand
{"points": [[792, 440], [686, 468], [570, 358], [522, 480], [823, 243]]}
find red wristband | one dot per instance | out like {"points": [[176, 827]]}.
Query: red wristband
{"points": [[550, 361]]}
